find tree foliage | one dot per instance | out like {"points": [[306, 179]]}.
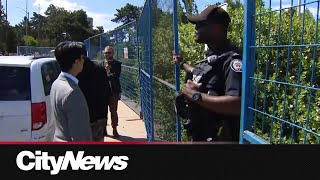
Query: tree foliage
{"points": [[7, 35], [190, 7], [127, 14], [29, 41], [46, 30]]}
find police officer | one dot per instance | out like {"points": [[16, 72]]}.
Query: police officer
{"points": [[214, 89]]}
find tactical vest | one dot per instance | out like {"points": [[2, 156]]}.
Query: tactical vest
{"points": [[209, 72]]}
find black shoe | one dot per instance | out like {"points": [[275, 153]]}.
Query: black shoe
{"points": [[115, 133]]}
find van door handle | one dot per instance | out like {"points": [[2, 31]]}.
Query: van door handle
{"points": [[24, 130]]}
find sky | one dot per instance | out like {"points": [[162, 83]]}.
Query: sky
{"points": [[102, 11]]}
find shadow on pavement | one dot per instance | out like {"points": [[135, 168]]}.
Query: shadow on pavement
{"points": [[123, 138]]}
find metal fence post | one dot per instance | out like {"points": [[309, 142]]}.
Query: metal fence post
{"points": [[139, 66], [89, 47], [117, 44], [151, 70], [100, 44], [248, 67], [177, 68]]}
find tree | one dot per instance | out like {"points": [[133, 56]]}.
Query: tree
{"points": [[190, 7], [79, 28], [46, 30], [127, 14], [98, 30], [234, 4], [37, 23], [58, 21], [7, 38], [181, 14], [30, 41]]}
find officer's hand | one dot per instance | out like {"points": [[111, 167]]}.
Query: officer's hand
{"points": [[190, 88], [177, 58]]}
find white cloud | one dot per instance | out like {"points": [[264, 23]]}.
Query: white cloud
{"points": [[99, 19], [66, 4]]}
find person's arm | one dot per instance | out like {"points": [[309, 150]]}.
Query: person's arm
{"points": [[230, 103], [77, 117], [178, 59], [187, 67]]}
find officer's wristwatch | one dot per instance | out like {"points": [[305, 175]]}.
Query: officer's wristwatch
{"points": [[197, 96]]}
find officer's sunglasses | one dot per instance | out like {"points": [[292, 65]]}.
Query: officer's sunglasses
{"points": [[108, 53]]}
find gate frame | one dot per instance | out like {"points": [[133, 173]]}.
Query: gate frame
{"points": [[246, 134]]}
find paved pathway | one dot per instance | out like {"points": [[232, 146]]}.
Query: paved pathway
{"points": [[131, 128]]}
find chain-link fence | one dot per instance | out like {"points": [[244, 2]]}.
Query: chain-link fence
{"points": [[33, 50], [164, 74], [158, 76], [146, 73], [124, 40]]}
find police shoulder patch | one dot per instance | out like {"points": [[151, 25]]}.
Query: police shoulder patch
{"points": [[236, 65]]}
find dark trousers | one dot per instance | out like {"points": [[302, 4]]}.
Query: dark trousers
{"points": [[113, 107]]}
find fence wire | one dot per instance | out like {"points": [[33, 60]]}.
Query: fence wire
{"points": [[281, 80], [124, 40], [146, 73], [33, 50], [163, 70], [282, 72]]}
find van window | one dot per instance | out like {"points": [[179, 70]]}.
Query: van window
{"points": [[50, 72], [14, 83]]}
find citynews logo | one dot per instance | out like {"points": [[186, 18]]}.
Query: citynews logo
{"points": [[42, 161]]}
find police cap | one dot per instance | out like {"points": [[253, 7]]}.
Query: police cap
{"points": [[212, 14]]}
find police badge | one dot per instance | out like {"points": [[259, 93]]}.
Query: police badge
{"points": [[236, 65]]}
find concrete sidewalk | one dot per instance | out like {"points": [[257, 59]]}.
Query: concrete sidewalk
{"points": [[131, 128]]}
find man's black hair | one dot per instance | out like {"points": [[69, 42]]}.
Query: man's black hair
{"points": [[67, 52]]}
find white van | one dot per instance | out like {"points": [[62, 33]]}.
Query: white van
{"points": [[25, 110]]}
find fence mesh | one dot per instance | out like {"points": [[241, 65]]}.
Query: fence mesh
{"points": [[33, 50], [124, 40], [163, 70], [285, 80], [145, 54], [280, 102]]}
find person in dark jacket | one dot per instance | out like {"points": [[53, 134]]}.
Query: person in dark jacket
{"points": [[113, 70], [97, 93]]}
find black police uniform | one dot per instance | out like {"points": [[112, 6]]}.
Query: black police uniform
{"points": [[221, 75]]}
